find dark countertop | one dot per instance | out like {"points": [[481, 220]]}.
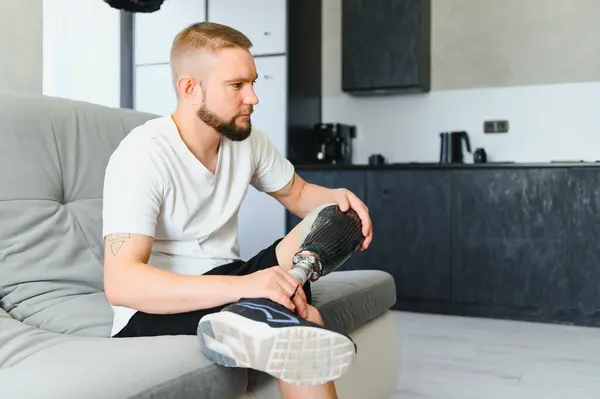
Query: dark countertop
{"points": [[433, 165]]}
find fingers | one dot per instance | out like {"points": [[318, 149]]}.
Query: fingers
{"points": [[286, 287], [367, 242], [301, 292], [282, 299], [299, 300], [301, 306], [363, 213], [289, 278], [343, 203], [348, 200], [296, 293]]}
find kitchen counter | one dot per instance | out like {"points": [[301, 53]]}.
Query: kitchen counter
{"points": [[507, 240], [434, 165]]}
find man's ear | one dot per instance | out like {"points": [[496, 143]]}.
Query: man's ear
{"points": [[190, 89]]}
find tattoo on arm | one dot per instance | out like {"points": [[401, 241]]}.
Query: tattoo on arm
{"points": [[116, 241]]}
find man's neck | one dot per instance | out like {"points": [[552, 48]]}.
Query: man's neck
{"points": [[202, 140]]}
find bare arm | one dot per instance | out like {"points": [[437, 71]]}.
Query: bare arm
{"points": [[300, 197], [129, 280]]}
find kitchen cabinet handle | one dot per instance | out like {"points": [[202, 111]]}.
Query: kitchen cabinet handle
{"points": [[267, 33]]}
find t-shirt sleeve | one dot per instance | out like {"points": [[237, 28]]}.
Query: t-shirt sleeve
{"points": [[133, 192], [272, 170]]}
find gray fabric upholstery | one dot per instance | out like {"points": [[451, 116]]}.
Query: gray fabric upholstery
{"points": [[349, 299], [69, 366], [66, 366], [52, 157]]}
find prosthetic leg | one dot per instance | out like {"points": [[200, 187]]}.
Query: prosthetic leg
{"points": [[263, 335], [327, 238]]}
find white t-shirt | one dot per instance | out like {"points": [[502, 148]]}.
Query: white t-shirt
{"points": [[155, 186]]}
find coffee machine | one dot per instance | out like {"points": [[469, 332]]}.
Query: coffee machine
{"points": [[333, 143]]}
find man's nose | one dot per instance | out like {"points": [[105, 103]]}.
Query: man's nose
{"points": [[251, 97]]}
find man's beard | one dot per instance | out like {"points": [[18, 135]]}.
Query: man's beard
{"points": [[228, 129]]}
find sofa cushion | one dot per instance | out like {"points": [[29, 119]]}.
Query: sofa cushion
{"points": [[52, 157], [349, 299], [164, 367], [68, 366]]}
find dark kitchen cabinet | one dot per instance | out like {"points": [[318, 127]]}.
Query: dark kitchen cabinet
{"points": [[583, 237], [411, 234], [503, 242], [510, 239], [386, 46], [351, 180]]}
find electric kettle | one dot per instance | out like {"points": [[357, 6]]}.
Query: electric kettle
{"points": [[451, 146]]}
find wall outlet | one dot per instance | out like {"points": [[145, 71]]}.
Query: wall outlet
{"points": [[499, 126]]}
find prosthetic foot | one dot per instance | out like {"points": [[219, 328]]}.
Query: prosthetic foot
{"points": [[263, 335]]}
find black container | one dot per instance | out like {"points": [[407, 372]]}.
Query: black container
{"points": [[451, 147], [480, 156], [376, 159]]}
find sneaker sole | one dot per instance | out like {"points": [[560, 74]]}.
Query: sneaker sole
{"points": [[299, 355]]}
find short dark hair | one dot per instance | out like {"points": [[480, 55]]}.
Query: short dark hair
{"points": [[209, 36]]}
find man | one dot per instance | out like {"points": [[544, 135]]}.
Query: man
{"points": [[172, 191]]}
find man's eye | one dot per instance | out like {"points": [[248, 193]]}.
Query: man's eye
{"points": [[237, 85]]}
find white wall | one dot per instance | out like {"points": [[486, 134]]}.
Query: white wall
{"points": [[21, 45], [547, 121], [81, 53], [552, 122]]}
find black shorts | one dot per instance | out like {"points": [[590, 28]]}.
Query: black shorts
{"points": [[148, 324]]}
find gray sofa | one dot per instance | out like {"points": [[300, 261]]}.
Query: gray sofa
{"points": [[54, 317]]}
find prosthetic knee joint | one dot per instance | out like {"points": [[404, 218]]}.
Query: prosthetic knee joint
{"points": [[327, 238]]}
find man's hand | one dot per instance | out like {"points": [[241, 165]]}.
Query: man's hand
{"points": [[346, 200], [300, 197], [300, 302], [276, 284]]}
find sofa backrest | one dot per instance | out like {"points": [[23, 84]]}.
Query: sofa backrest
{"points": [[53, 154]]}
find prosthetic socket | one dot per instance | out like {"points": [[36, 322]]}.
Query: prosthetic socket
{"points": [[328, 237]]}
